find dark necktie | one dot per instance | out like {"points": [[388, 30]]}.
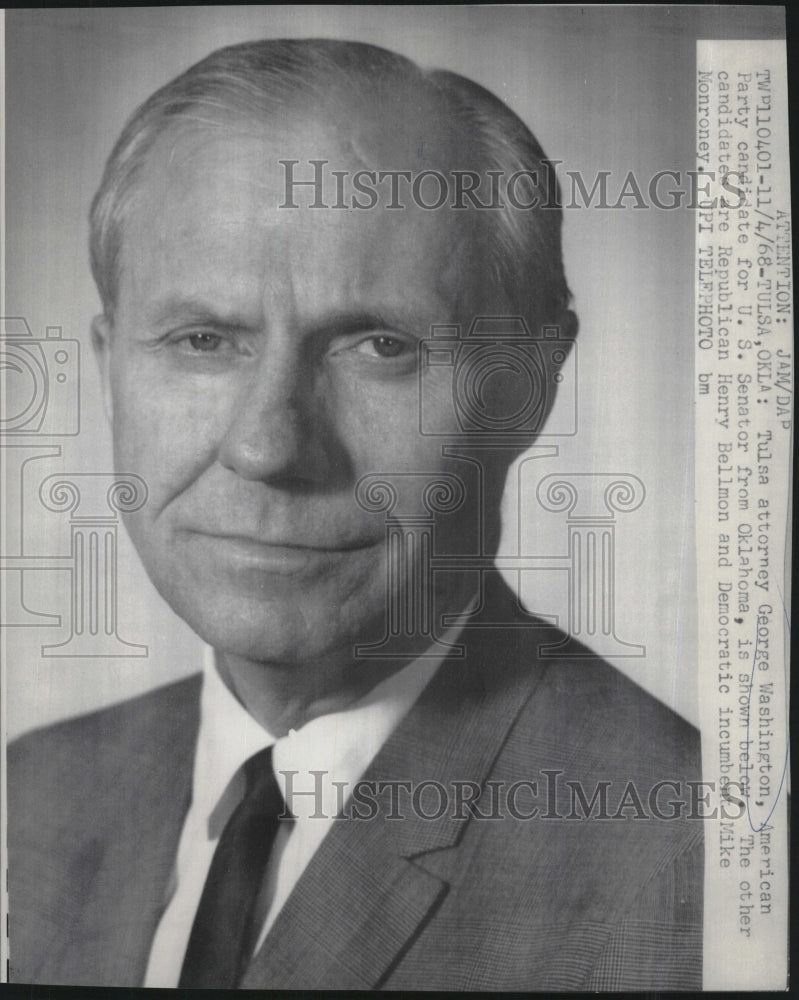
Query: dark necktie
{"points": [[221, 938]]}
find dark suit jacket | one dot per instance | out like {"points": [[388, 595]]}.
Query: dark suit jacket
{"points": [[96, 806]]}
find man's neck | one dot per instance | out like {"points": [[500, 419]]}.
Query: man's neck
{"points": [[282, 696]]}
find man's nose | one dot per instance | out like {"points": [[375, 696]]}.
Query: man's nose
{"points": [[279, 431]]}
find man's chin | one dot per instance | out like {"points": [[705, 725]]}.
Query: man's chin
{"points": [[282, 633], [273, 605]]}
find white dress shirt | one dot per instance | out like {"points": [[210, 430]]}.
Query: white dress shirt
{"points": [[341, 745]]}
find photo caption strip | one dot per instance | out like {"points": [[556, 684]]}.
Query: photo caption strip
{"points": [[744, 402]]}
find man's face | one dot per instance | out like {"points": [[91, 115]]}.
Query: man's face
{"points": [[261, 361]]}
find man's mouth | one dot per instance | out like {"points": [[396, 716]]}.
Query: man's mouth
{"points": [[248, 552]]}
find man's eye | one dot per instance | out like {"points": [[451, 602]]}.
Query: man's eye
{"points": [[383, 347], [204, 342]]}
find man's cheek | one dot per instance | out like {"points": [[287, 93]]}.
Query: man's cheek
{"points": [[147, 420], [139, 526], [135, 442], [387, 439]]}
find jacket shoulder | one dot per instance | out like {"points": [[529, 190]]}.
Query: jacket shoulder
{"points": [[89, 799], [572, 697], [613, 718], [82, 757]]}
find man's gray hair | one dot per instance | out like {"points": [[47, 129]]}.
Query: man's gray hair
{"points": [[254, 80]]}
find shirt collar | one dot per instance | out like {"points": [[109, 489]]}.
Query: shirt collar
{"points": [[341, 744]]}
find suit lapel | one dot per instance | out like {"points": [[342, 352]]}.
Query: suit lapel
{"points": [[366, 894]]}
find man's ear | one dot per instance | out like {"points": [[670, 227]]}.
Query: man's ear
{"points": [[568, 324], [102, 332]]}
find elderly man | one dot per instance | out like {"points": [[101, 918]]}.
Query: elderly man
{"points": [[339, 802]]}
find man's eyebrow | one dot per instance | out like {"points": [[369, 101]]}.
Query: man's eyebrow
{"points": [[361, 321], [178, 309]]}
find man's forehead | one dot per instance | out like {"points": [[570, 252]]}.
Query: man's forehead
{"points": [[408, 131], [211, 202]]}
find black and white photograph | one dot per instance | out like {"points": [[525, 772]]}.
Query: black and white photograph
{"points": [[395, 438]]}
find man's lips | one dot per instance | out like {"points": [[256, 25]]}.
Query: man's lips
{"points": [[285, 543], [276, 555]]}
